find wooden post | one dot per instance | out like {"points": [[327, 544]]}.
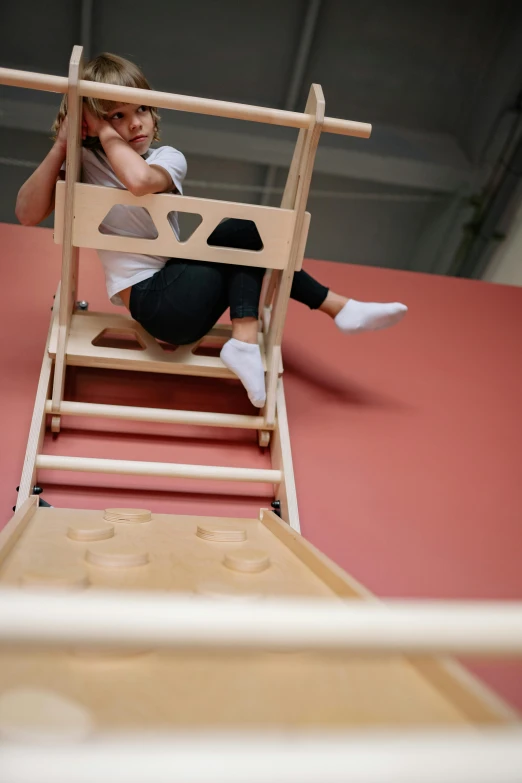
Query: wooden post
{"points": [[37, 429], [294, 197], [70, 253]]}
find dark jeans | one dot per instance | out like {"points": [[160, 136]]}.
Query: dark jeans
{"points": [[183, 301]]}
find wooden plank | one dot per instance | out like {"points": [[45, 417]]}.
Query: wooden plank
{"points": [[295, 197], [281, 454], [319, 564], [477, 702], [473, 697], [37, 428], [270, 689], [92, 204], [70, 252], [87, 326], [12, 532]]}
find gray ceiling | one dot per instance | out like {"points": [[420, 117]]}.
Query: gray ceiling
{"points": [[438, 80]]}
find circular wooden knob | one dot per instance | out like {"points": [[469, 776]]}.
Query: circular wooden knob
{"points": [[131, 516], [247, 561], [117, 556], [31, 714], [90, 531], [221, 533]]}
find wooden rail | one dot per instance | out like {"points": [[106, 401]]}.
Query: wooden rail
{"points": [[165, 100], [167, 469], [481, 628], [159, 415]]}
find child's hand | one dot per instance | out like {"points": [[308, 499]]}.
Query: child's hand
{"points": [[61, 137], [91, 125]]}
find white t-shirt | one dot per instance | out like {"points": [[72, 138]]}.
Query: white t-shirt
{"points": [[125, 269]]}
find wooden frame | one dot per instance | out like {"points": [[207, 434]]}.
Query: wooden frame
{"points": [[80, 209]]}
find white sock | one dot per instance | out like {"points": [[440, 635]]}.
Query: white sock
{"points": [[365, 316], [244, 359]]}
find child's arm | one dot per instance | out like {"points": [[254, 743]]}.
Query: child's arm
{"points": [[130, 168], [35, 199]]}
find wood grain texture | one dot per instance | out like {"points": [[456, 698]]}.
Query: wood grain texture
{"points": [[472, 697], [87, 326], [37, 427], [92, 204], [69, 271], [188, 103], [223, 689]]}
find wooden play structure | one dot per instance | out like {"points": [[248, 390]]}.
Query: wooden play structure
{"points": [[150, 647]]}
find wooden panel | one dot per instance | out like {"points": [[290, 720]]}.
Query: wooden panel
{"points": [[281, 454], [87, 326], [222, 689], [92, 203], [179, 559]]}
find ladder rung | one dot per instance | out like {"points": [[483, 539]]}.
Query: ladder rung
{"points": [[172, 470], [161, 415]]}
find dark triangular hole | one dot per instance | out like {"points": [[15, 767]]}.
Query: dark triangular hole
{"points": [[236, 233], [188, 223], [119, 338], [136, 220]]}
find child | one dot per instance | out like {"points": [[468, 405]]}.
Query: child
{"points": [[176, 301]]}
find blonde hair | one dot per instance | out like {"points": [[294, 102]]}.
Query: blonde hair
{"points": [[109, 69]]}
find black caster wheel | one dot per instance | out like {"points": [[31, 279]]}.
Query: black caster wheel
{"points": [[276, 507], [83, 305]]}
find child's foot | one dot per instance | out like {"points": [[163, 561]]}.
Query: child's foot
{"points": [[365, 316], [244, 359]]}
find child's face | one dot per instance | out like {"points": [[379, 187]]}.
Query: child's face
{"points": [[134, 124]]}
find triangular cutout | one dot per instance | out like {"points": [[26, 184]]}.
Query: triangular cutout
{"points": [[126, 339], [239, 234], [188, 223], [134, 221]]}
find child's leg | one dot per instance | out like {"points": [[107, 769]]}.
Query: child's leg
{"points": [[241, 354], [181, 302], [348, 314]]}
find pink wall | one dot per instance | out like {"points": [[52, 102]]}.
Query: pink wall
{"points": [[407, 443]]}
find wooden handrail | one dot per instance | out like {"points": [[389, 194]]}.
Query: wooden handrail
{"points": [[165, 100]]}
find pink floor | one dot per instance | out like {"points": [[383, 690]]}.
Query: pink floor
{"points": [[407, 443]]}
